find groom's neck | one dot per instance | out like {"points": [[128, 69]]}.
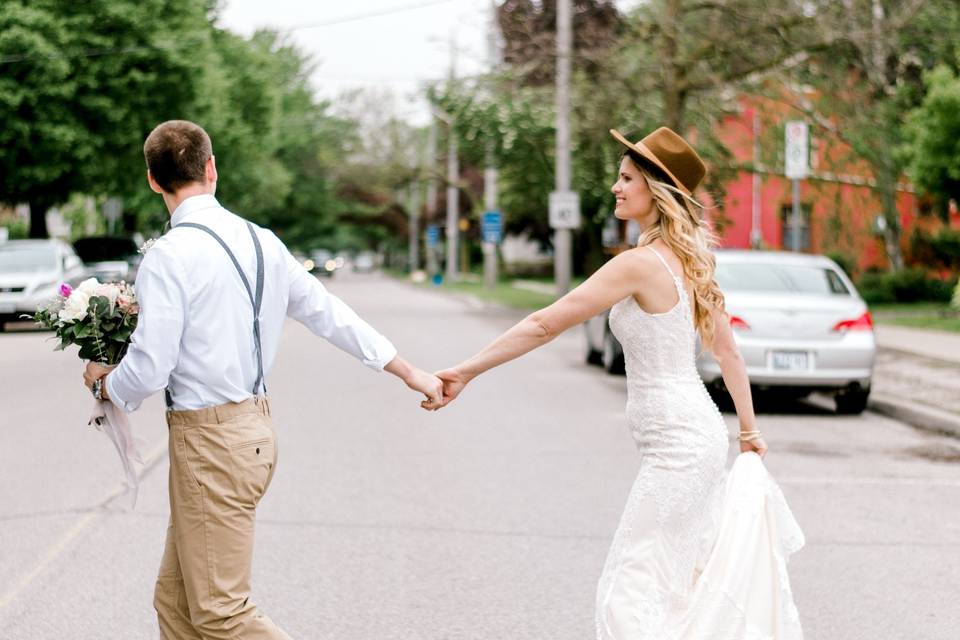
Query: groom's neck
{"points": [[173, 200]]}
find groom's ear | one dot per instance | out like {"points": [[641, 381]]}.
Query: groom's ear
{"points": [[210, 170], [154, 185]]}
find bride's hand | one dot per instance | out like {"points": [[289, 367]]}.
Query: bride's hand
{"points": [[453, 384], [757, 445]]}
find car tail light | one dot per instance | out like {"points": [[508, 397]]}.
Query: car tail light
{"points": [[863, 323], [738, 324]]}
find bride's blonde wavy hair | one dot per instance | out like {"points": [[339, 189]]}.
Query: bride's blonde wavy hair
{"points": [[682, 228]]}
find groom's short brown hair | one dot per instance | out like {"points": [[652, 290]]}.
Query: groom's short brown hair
{"points": [[177, 152]]}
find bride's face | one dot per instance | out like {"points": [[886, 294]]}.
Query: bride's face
{"points": [[634, 201]]}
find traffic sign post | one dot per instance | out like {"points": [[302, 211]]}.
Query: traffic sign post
{"points": [[564, 210], [796, 168], [433, 239], [491, 227]]}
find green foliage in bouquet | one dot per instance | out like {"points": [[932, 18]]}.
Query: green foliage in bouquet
{"points": [[98, 318]]}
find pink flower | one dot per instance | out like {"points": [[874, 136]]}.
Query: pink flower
{"points": [[65, 290]]}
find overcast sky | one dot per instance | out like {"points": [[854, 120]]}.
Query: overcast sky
{"points": [[396, 44]]}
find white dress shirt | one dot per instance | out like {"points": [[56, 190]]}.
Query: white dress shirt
{"points": [[195, 330]]}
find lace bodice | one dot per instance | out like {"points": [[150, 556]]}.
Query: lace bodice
{"points": [[663, 385]]}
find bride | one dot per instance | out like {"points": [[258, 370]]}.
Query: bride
{"points": [[700, 553]]}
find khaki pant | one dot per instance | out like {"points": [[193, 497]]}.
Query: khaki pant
{"points": [[221, 462]]}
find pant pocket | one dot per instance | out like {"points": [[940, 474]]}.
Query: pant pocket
{"points": [[253, 461]]}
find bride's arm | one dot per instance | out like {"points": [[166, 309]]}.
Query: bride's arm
{"points": [[734, 372], [618, 278]]}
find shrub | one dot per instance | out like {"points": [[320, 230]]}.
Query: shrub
{"points": [[908, 285]]}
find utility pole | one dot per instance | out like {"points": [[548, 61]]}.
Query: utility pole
{"points": [[413, 205], [432, 267], [453, 178], [490, 172], [490, 212], [756, 230], [453, 203], [564, 205]]}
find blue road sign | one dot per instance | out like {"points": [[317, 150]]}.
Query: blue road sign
{"points": [[433, 235], [492, 227]]}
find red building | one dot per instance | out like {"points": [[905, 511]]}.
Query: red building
{"points": [[840, 209]]}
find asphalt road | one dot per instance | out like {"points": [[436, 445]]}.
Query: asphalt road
{"points": [[489, 520]]}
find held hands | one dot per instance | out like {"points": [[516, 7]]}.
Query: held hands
{"points": [[429, 385], [453, 383]]}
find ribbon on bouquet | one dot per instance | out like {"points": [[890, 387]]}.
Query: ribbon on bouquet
{"points": [[113, 422]]}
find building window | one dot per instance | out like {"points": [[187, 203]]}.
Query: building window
{"points": [[787, 231]]}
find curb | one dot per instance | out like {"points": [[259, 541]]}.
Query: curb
{"points": [[916, 415]]}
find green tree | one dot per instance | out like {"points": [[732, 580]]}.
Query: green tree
{"points": [[80, 83], [932, 145], [867, 74]]}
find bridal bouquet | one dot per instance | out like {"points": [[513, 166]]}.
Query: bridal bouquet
{"points": [[99, 318]]}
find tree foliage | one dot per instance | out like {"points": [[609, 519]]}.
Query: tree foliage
{"points": [[932, 145]]}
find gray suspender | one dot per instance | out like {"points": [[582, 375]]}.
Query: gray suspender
{"points": [[255, 299]]}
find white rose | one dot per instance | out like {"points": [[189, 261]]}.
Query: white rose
{"points": [[76, 305], [88, 286], [108, 291]]}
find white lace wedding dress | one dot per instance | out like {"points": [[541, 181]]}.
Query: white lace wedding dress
{"points": [[700, 553]]}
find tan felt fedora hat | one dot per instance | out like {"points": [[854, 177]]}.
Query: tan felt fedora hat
{"points": [[671, 154]]}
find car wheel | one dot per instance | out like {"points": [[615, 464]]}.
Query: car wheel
{"points": [[613, 360], [593, 356], [852, 402]]}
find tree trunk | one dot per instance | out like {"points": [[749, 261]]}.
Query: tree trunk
{"points": [[672, 93], [38, 220], [887, 186]]}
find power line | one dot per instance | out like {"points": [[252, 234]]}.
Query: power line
{"points": [[117, 51], [367, 15]]}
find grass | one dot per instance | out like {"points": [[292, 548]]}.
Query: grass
{"points": [[920, 315], [504, 293]]}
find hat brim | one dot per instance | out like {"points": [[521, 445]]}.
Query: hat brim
{"points": [[645, 152]]}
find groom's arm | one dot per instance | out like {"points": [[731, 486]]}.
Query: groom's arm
{"points": [[155, 344], [330, 318]]}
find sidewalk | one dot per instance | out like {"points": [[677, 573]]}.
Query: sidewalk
{"points": [[917, 378]]}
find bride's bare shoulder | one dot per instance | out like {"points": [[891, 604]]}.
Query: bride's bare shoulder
{"points": [[639, 261]]}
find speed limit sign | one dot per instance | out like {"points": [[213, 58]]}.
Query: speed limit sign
{"points": [[798, 144]]}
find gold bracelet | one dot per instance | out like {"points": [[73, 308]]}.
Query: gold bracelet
{"points": [[750, 437]]}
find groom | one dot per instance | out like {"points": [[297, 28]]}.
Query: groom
{"points": [[214, 293]]}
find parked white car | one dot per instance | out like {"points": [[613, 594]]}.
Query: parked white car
{"points": [[798, 321], [31, 272]]}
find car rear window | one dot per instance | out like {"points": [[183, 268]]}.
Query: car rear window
{"points": [[14, 258], [105, 249], [780, 278]]}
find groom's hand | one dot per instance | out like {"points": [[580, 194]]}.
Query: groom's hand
{"points": [[418, 380], [430, 386], [95, 371], [453, 384]]}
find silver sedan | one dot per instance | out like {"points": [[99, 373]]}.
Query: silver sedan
{"points": [[800, 325], [798, 321]]}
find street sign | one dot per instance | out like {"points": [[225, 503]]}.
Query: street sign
{"points": [[492, 226], [797, 150], [564, 210], [433, 235]]}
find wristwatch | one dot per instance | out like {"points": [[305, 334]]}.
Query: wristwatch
{"points": [[97, 389]]}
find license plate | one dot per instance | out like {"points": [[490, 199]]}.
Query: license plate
{"points": [[7, 307], [791, 360]]}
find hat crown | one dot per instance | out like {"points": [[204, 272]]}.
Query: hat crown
{"points": [[675, 155]]}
